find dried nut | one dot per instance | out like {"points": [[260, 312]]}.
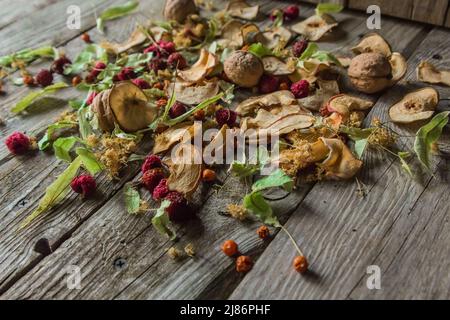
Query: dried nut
{"points": [[415, 106], [243, 69], [178, 10]]}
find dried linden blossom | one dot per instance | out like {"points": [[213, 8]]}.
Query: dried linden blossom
{"points": [[174, 253], [114, 152], [238, 212], [189, 250]]}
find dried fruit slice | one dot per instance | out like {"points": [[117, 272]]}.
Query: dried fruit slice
{"points": [[427, 72], [327, 90], [251, 33], [345, 103], [276, 36], [276, 67], [415, 106], [253, 104], [197, 93], [165, 140], [232, 35], [399, 66], [340, 163], [199, 70], [241, 9], [373, 43], [315, 27], [136, 38]]}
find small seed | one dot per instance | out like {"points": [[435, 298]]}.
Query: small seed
{"points": [[86, 38], [263, 232], [230, 248], [300, 264], [76, 81], [28, 80], [208, 175]]}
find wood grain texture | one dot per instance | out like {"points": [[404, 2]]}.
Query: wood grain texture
{"points": [[343, 234], [447, 19], [430, 11]]}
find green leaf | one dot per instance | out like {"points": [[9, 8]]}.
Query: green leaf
{"points": [[161, 221], [116, 12], [427, 136], [403, 156], [277, 178], [90, 54], [28, 55], [228, 91], [84, 122], [154, 93], [135, 60], [360, 147], [279, 19], [132, 199], [325, 56], [62, 147], [90, 161], [76, 104], [46, 140], [243, 170], [357, 133], [55, 192], [23, 104], [211, 33], [259, 50], [256, 203], [323, 8], [119, 133], [309, 51]]}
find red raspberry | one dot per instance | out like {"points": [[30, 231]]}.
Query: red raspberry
{"points": [[84, 184], [268, 84], [178, 109], [179, 210], [151, 162], [161, 190], [91, 98], [300, 89], [59, 64], [226, 116], [126, 73], [98, 67], [152, 178], [18, 143], [44, 78], [141, 83], [157, 64], [291, 13], [176, 60], [161, 49], [299, 47]]}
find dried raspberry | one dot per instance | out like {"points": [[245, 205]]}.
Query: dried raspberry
{"points": [[98, 67], [86, 38], [324, 112], [141, 83], [157, 64], [28, 80], [299, 47], [268, 84], [84, 184], [291, 13], [126, 73], [178, 109], [179, 210], [151, 162], [91, 98], [226, 116], [300, 89], [151, 178], [44, 78], [59, 64], [176, 60], [18, 143], [161, 190], [161, 49]]}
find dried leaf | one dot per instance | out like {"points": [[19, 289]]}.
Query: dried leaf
{"points": [[116, 12], [23, 104], [315, 27], [161, 221], [241, 9], [136, 38]]}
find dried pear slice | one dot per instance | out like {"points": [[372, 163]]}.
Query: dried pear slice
{"points": [[136, 38], [373, 43], [231, 34], [199, 70], [276, 67], [167, 139], [315, 27], [241, 9], [399, 66], [253, 104], [340, 163], [427, 72], [345, 103], [276, 36], [415, 106], [195, 94]]}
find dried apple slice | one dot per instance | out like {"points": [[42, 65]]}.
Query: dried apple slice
{"points": [[415, 106], [427, 72], [136, 38], [344, 104], [276, 36], [373, 43], [241, 9], [276, 67], [167, 139], [315, 27], [253, 104], [195, 94], [231, 35], [327, 90], [399, 66], [199, 70], [340, 163]]}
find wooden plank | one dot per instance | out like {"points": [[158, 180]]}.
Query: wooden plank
{"points": [[150, 273], [67, 217], [21, 9], [430, 11], [343, 2], [447, 19], [343, 234]]}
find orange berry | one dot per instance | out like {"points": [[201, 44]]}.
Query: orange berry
{"points": [[76, 81], [158, 85], [263, 232], [230, 248], [244, 264], [300, 264], [28, 80], [199, 115], [208, 175], [161, 103], [86, 38], [284, 86]]}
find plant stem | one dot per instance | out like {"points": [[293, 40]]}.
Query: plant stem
{"points": [[292, 240]]}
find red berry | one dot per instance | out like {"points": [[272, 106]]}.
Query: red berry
{"points": [[268, 84], [91, 98], [161, 190], [86, 38], [152, 178], [226, 116], [167, 46], [161, 49], [18, 143], [126, 73], [300, 89], [84, 184], [299, 47], [59, 64], [178, 210], [291, 12], [157, 64], [44, 78], [178, 109], [176, 60], [151, 162], [141, 83]]}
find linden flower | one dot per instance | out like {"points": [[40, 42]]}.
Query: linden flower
{"points": [[174, 253], [113, 153], [382, 137], [238, 212]]}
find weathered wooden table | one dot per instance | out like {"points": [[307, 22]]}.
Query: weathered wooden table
{"points": [[402, 225]]}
